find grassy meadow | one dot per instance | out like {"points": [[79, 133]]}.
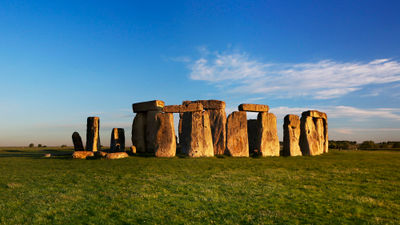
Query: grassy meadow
{"points": [[341, 187]]}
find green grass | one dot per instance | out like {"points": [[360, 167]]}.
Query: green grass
{"points": [[341, 187]]}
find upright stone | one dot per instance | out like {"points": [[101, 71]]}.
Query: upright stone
{"points": [[196, 130], [139, 132], [291, 135], [308, 136], [151, 130], [326, 147], [319, 126], [252, 134], [117, 143], [155, 105], [165, 136], [236, 135], [77, 140], [92, 134], [268, 142]]}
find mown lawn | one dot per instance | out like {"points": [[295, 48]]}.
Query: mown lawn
{"points": [[341, 187]]}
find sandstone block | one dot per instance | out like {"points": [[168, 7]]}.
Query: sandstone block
{"points": [[92, 134], [151, 130], [165, 136], [236, 135], [82, 154], [117, 143], [268, 141], [139, 132], [253, 108], [252, 134], [308, 136], [155, 105], [117, 155], [77, 140], [315, 114], [196, 129], [291, 135], [133, 149], [208, 104], [218, 130], [191, 107]]}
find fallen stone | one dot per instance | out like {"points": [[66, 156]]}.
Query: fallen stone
{"points": [[218, 130], [236, 135], [208, 104], [196, 130], [308, 136], [268, 141], [82, 154], [165, 136], [77, 140], [192, 107], [47, 155], [139, 132], [117, 143], [291, 136], [253, 108], [315, 114], [252, 134], [155, 105], [151, 131], [117, 155], [92, 134]]}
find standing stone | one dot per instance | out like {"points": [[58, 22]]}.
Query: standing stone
{"points": [[268, 141], [151, 131], [180, 134], [165, 136], [139, 132], [252, 134], [308, 136], [196, 129], [92, 134], [291, 135], [218, 129], [319, 126], [236, 135], [117, 143], [77, 140], [326, 147]]}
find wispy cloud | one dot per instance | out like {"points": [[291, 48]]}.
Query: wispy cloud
{"points": [[326, 79]]}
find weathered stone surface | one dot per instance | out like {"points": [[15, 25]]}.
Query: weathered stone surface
{"points": [[252, 134], [208, 104], [133, 149], [218, 130], [268, 141], [165, 137], [315, 114], [291, 135], [253, 108], [237, 144], [197, 138], [117, 143], [100, 154], [139, 132], [92, 134], [308, 136], [151, 130], [117, 155], [82, 154], [326, 147], [155, 105], [192, 107], [77, 140]]}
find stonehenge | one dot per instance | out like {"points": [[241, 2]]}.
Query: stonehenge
{"points": [[204, 130]]}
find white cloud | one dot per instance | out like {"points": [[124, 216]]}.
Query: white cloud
{"points": [[326, 79]]}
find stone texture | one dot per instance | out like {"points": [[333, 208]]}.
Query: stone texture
{"points": [[218, 130], [252, 134], [268, 141], [155, 105], [117, 143], [191, 107], [133, 149], [100, 154], [291, 135], [92, 134], [151, 131], [117, 155], [236, 135], [308, 136], [139, 132], [208, 104], [165, 136], [315, 114], [77, 140], [197, 138], [82, 154], [253, 108]]}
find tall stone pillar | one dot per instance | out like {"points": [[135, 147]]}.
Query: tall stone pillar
{"points": [[77, 140], [236, 135], [117, 143], [313, 133], [268, 142], [291, 135], [92, 134], [139, 132], [165, 136]]}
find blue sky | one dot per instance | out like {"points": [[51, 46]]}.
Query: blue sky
{"points": [[62, 61]]}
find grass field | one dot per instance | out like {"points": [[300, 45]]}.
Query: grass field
{"points": [[341, 187]]}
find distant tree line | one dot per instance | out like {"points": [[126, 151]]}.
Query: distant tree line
{"points": [[352, 145]]}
